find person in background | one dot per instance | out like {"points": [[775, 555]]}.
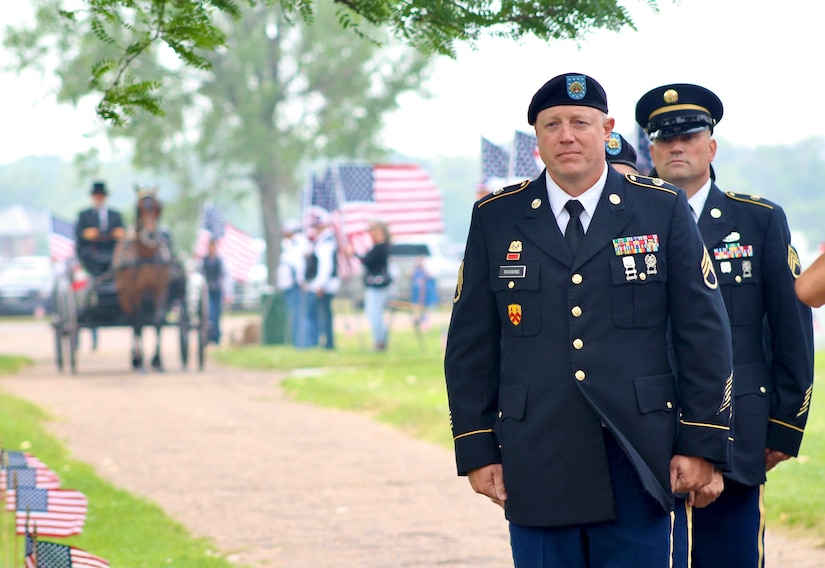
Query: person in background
{"points": [[423, 291], [810, 286], [96, 232], [322, 282], [620, 154], [290, 280], [215, 275], [377, 281], [750, 247], [564, 406]]}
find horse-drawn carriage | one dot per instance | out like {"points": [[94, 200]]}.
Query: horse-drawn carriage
{"points": [[143, 285]]}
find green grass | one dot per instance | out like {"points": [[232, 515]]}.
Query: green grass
{"points": [[794, 499], [124, 529]]}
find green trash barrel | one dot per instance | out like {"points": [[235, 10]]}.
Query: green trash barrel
{"points": [[273, 316]]}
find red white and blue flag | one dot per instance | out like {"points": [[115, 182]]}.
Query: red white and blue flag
{"points": [[61, 238], [50, 512], [525, 162], [235, 247], [40, 554]]}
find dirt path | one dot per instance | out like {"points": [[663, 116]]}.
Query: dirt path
{"points": [[274, 482]]}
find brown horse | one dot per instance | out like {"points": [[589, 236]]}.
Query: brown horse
{"points": [[141, 265]]}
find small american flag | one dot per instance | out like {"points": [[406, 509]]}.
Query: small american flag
{"points": [[643, 161], [54, 555], [235, 247], [61, 238], [55, 512], [495, 162], [525, 157], [14, 477]]}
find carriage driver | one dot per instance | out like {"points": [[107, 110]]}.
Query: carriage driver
{"points": [[97, 230]]}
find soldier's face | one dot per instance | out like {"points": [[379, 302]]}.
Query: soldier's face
{"points": [[684, 160], [571, 141]]}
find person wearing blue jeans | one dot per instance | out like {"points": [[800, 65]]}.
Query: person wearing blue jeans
{"points": [[214, 272], [322, 282], [377, 281]]}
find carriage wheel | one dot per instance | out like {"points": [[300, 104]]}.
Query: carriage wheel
{"points": [[71, 329], [57, 325], [203, 324], [184, 326], [64, 322]]}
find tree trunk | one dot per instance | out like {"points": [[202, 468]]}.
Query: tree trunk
{"points": [[270, 215]]}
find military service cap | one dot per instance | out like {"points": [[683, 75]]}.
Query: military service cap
{"points": [[619, 150], [567, 89], [680, 108]]}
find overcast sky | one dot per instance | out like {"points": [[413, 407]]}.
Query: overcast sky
{"points": [[763, 59]]}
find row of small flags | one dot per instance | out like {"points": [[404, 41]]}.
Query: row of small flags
{"points": [[501, 165], [41, 508]]}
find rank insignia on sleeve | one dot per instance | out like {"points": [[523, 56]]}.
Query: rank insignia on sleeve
{"points": [[459, 283], [793, 262], [726, 395], [514, 313], [707, 271]]}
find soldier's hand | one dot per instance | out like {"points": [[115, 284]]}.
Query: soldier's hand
{"points": [[773, 457], [689, 473], [90, 233], [489, 481], [708, 494]]}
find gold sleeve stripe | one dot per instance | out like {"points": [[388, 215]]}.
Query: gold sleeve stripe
{"points": [[736, 197], [487, 431], [524, 184], [786, 425], [806, 403], [703, 425]]}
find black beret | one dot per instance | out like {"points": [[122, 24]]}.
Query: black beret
{"points": [[567, 89], [679, 108], [619, 150], [99, 188]]}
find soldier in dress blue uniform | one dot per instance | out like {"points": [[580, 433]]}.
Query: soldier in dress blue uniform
{"points": [[621, 154], [756, 265], [563, 402]]}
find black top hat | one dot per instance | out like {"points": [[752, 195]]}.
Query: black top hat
{"points": [[568, 89], [99, 188], [620, 151], [676, 109]]}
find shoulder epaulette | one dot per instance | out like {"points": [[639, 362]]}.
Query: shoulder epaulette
{"points": [[651, 182], [752, 199], [504, 192]]}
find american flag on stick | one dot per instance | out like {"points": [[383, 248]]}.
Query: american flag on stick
{"points": [[61, 238], [495, 164], [525, 158], [235, 247], [13, 478], [55, 512], [40, 554]]}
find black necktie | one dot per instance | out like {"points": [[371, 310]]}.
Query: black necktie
{"points": [[574, 234]]}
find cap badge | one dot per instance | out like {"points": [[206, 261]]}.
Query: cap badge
{"points": [[671, 96], [536, 203], [614, 144], [576, 87]]}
